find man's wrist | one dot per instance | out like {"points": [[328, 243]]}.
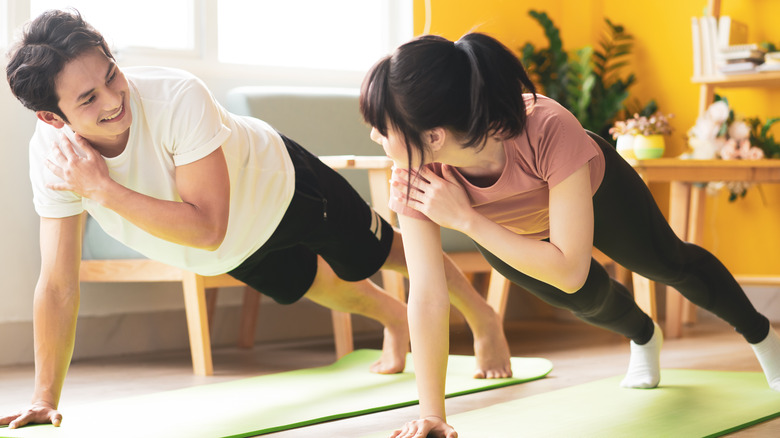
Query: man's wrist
{"points": [[104, 193]]}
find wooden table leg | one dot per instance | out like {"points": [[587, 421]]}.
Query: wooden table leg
{"points": [[644, 293], [679, 202]]}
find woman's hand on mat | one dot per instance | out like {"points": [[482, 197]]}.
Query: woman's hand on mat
{"points": [[442, 200], [433, 427], [38, 413]]}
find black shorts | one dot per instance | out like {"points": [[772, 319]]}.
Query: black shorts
{"points": [[327, 217]]}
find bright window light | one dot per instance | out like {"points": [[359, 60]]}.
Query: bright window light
{"points": [[5, 24], [333, 34], [167, 25]]}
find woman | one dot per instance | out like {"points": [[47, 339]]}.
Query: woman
{"points": [[519, 175]]}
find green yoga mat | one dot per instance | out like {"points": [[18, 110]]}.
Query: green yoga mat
{"points": [[687, 404], [269, 403]]}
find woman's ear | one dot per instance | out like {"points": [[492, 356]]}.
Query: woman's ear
{"points": [[50, 118], [435, 138]]}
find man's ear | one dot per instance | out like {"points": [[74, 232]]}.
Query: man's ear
{"points": [[50, 118], [435, 138]]}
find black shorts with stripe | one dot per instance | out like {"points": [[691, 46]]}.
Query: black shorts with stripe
{"points": [[326, 217]]}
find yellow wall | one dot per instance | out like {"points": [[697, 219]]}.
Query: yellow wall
{"points": [[744, 234]]}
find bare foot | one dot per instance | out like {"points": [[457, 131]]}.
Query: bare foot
{"points": [[394, 348], [492, 353]]}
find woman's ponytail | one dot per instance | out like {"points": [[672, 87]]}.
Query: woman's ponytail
{"points": [[496, 86]]}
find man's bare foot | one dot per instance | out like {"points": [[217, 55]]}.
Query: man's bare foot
{"points": [[394, 348], [492, 353]]}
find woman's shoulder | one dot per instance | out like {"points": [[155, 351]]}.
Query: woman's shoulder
{"points": [[540, 105], [545, 115]]}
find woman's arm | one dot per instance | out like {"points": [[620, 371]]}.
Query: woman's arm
{"points": [[562, 262], [199, 221], [428, 310]]}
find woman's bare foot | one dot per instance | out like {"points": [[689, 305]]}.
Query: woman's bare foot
{"points": [[492, 352], [394, 348]]}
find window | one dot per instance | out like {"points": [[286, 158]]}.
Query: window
{"points": [[4, 24], [343, 34], [284, 37], [170, 27]]}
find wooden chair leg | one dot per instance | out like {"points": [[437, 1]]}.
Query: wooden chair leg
{"points": [[393, 284], [674, 317], [342, 333], [624, 277], [211, 305], [249, 311], [197, 324], [498, 292]]}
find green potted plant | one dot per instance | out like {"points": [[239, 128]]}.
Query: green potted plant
{"points": [[588, 82]]}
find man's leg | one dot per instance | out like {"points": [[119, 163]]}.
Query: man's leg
{"points": [[366, 298], [490, 346]]}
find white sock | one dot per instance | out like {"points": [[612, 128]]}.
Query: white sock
{"points": [[644, 366], [768, 354]]}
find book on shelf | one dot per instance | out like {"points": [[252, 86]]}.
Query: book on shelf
{"points": [[720, 46], [772, 58], [731, 32], [732, 53], [767, 67], [738, 68], [697, 55], [707, 32]]}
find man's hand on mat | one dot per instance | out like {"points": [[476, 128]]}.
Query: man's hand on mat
{"points": [[36, 414], [433, 427]]}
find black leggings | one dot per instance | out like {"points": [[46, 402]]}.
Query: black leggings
{"points": [[630, 229]]}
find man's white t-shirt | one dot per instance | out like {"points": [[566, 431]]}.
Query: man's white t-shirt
{"points": [[176, 121]]}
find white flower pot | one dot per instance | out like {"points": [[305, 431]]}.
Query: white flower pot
{"points": [[625, 146]]}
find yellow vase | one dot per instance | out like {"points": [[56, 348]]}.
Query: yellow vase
{"points": [[649, 146]]}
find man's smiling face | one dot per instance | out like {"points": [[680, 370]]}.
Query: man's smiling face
{"points": [[94, 96]]}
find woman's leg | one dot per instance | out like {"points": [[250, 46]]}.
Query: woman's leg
{"points": [[601, 301], [605, 303], [631, 230]]}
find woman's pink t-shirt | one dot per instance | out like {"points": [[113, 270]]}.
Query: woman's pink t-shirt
{"points": [[553, 146]]}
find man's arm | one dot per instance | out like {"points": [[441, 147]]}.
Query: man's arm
{"points": [[55, 310], [199, 221]]}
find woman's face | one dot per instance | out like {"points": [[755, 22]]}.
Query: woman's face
{"points": [[394, 145]]}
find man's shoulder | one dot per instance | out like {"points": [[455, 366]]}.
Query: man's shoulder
{"points": [[165, 86], [44, 134]]}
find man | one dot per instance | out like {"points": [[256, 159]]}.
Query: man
{"points": [[163, 168]]}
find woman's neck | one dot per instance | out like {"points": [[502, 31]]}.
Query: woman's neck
{"points": [[481, 166]]}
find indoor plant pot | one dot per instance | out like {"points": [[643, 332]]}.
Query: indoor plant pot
{"points": [[649, 146]]}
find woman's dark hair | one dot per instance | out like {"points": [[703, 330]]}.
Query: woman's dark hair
{"points": [[473, 87], [48, 42]]}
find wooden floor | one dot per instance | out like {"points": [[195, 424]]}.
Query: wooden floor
{"points": [[579, 353]]}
